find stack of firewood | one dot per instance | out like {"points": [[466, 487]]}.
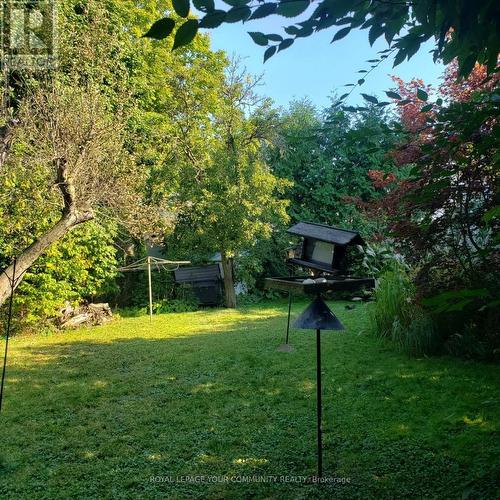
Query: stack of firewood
{"points": [[84, 315]]}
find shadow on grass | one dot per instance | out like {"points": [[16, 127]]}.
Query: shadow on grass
{"points": [[101, 417]]}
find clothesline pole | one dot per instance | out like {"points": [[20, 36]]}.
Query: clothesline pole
{"points": [[150, 291]]}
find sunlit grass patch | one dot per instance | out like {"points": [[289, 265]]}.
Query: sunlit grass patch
{"points": [[96, 413]]}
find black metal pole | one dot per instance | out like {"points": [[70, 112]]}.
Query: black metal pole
{"points": [[318, 389], [289, 311], [9, 318]]}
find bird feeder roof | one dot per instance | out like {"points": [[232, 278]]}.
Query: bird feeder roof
{"points": [[327, 234]]}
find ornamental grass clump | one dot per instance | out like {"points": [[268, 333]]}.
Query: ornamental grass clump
{"points": [[397, 316]]}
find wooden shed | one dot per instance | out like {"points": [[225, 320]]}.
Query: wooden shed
{"points": [[206, 282]]}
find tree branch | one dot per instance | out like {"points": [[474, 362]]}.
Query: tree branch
{"points": [[6, 135]]}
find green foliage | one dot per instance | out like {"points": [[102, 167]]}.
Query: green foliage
{"points": [[396, 315], [264, 259], [79, 267], [460, 30], [258, 296], [174, 306], [417, 337], [328, 157], [234, 199], [138, 82], [379, 257]]}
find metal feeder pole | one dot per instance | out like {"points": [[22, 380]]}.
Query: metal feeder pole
{"points": [[318, 401], [286, 347], [289, 311], [318, 316]]}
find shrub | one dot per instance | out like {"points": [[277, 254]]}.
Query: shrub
{"points": [[379, 257], [80, 267], [174, 306], [396, 315]]}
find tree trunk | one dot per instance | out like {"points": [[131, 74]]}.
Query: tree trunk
{"points": [[229, 293], [36, 249]]}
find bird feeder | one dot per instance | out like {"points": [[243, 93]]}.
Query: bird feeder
{"points": [[323, 250]]}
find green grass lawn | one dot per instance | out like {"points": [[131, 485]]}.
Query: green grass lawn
{"points": [[96, 413]]}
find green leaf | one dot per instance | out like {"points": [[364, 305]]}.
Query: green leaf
{"points": [[306, 31], [455, 300], [204, 5], [370, 98], [186, 33], [439, 101], [241, 13], [361, 81], [264, 10], [492, 213], [400, 57], [375, 31], [392, 95], [259, 38], [292, 30], [181, 7], [285, 44], [426, 108], [160, 29], [269, 52], [325, 22], [422, 95], [274, 38], [343, 96], [493, 303], [213, 19], [292, 8], [236, 3], [341, 34], [466, 64]]}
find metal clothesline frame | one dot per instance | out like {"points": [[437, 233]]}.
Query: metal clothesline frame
{"points": [[145, 264]]}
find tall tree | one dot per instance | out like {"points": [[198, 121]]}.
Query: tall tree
{"points": [[232, 199], [75, 144], [88, 135], [330, 159]]}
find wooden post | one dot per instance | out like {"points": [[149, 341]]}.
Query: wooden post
{"points": [[150, 291]]}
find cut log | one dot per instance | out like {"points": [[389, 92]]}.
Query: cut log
{"points": [[85, 315]]}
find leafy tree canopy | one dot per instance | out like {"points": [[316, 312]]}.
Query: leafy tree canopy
{"points": [[329, 157], [462, 30]]}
